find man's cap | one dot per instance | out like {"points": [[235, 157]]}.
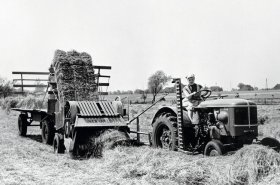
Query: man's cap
{"points": [[190, 76]]}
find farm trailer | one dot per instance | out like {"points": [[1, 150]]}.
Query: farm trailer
{"points": [[74, 120]]}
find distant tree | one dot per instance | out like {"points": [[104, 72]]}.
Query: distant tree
{"points": [[127, 92], [144, 96], [138, 91], [156, 83], [276, 87], [6, 88], [147, 91], [169, 89], [245, 87], [216, 88]]}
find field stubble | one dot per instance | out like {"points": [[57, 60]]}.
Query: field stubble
{"points": [[28, 161]]}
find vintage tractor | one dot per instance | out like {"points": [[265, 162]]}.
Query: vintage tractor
{"points": [[224, 125]]}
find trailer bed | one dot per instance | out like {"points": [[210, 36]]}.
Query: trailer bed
{"points": [[30, 110], [34, 114]]}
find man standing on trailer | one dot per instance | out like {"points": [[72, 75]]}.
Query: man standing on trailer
{"points": [[192, 98]]}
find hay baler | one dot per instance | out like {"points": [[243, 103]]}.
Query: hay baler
{"points": [[75, 121]]}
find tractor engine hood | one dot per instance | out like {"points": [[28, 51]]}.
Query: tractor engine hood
{"points": [[227, 103]]}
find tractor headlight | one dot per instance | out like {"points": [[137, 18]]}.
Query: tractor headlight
{"points": [[223, 117]]}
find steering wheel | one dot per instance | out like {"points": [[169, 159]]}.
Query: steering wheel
{"points": [[205, 93]]}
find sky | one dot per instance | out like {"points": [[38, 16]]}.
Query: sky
{"points": [[223, 42]]}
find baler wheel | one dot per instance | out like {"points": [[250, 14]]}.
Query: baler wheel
{"points": [[214, 148], [48, 132], [22, 124], [165, 133], [58, 144]]}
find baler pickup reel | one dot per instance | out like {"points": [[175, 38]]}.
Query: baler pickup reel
{"points": [[86, 120]]}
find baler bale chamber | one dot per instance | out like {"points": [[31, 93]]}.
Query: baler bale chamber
{"points": [[82, 123]]}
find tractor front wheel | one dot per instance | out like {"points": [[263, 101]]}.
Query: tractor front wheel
{"points": [[214, 148], [165, 133], [271, 142], [22, 124], [58, 144], [47, 132]]}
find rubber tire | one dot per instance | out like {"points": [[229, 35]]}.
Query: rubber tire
{"points": [[164, 121], [22, 124], [48, 132], [271, 142], [214, 145], [58, 144]]}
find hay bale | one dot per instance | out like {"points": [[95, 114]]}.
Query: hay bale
{"points": [[67, 96], [73, 53], [75, 75], [59, 55], [86, 58]]}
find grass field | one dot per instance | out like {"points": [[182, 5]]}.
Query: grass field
{"points": [[28, 161]]}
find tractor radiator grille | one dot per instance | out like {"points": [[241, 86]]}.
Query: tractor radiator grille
{"points": [[242, 116]]}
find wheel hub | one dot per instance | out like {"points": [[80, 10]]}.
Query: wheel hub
{"points": [[165, 138], [214, 153]]}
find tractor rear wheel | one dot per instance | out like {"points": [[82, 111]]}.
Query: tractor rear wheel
{"points": [[165, 132], [214, 148], [22, 124], [58, 144], [47, 132]]}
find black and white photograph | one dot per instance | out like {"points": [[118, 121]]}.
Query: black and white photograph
{"points": [[139, 92]]}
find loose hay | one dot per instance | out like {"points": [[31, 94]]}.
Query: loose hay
{"points": [[253, 163], [102, 140]]}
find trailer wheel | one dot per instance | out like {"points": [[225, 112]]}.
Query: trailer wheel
{"points": [[58, 144], [47, 132], [22, 124], [165, 133], [214, 148]]}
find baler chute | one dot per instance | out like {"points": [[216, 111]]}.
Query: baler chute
{"points": [[86, 120]]}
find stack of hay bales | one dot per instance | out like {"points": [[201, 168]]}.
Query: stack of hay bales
{"points": [[75, 76]]}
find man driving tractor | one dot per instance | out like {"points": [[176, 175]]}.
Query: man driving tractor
{"points": [[192, 98]]}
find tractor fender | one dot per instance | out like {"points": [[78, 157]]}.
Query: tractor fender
{"points": [[173, 111]]}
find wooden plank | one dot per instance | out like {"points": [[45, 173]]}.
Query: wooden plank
{"points": [[31, 79], [30, 85], [103, 84], [102, 76], [102, 67], [18, 92], [103, 93], [30, 73]]}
